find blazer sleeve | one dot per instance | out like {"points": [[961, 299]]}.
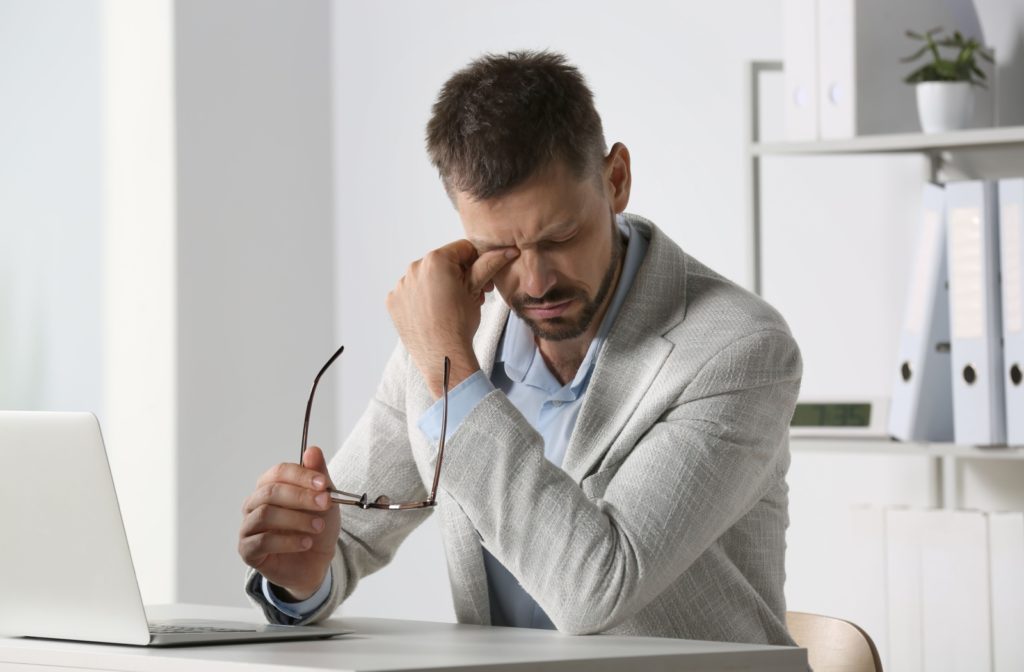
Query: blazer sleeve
{"points": [[592, 563], [376, 458]]}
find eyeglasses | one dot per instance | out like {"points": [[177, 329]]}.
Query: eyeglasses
{"points": [[383, 501]]}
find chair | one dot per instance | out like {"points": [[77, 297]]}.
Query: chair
{"points": [[833, 645]]}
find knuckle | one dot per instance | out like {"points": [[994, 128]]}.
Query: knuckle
{"points": [[246, 548], [258, 542], [261, 514]]}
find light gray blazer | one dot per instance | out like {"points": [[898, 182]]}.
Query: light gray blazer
{"points": [[668, 516]]}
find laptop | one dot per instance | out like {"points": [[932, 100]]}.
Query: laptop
{"points": [[65, 570]]}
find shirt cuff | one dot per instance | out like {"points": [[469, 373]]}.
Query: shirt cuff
{"points": [[461, 402], [304, 608]]}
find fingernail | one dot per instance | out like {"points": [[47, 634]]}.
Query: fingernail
{"points": [[307, 542], [321, 499], [318, 482], [318, 524], [511, 253]]}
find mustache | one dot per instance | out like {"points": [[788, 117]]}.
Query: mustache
{"points": [[554, 295]]}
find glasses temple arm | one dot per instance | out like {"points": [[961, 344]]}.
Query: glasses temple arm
{"points": [[444, 430], [309, 404]]}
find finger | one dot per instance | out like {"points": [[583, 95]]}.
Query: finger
{"points": [[288, 496], [487, 266], [460, 251], [314, 460], [267, 518], [256, 548], [295, 474]]}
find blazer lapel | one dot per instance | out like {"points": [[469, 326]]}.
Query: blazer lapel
{"points": [[633, 354], [488, 335]]}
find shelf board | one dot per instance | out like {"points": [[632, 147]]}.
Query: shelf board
{"points": [[975, 138], [901, 449]]}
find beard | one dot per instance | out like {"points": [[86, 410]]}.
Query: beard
{"points": [[562, 328]]}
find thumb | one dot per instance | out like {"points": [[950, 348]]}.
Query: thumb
{"points": [[314, 459], [487, 266]]}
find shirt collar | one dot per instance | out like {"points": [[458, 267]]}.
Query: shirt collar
{"points": [[518, 352]]}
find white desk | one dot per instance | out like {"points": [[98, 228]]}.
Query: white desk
{"points": [[383, 644]]}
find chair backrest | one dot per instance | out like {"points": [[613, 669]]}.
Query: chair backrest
{"points": [[833, 645]]}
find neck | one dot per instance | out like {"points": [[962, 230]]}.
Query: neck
{"points": [[565, 357]]}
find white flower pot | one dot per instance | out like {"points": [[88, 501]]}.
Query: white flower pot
{"points": [[944, 106]]}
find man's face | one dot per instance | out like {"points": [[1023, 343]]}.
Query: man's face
{"points": [[569, 248]]}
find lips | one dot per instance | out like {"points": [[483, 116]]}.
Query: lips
{"points": [[549, 311]]}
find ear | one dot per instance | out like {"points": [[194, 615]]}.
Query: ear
{"points": [[617, 177]]}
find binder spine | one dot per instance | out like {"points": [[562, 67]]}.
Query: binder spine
{"points": [[975, 314], [1011, 248]]}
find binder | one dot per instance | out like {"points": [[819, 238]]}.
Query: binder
{"points": [[1006, 562], [1011, 249], [922, 399], [800, 68], [955, 602], [979, 412], [903, 569], [860, 87]]}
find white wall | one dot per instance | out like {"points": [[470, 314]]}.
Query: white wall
{"points": [[255, 267], [219, 270]]}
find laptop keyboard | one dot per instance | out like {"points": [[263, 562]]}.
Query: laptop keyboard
{"points": [[164, 629]]}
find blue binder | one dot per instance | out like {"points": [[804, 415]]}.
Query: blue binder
{"points": [[922, 399], [979, 412], [1011, 247]]}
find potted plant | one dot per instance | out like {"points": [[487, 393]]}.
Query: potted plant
{"points": [[945, 99]]}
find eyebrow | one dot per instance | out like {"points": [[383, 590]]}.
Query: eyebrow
{"points": [[486, 245]]}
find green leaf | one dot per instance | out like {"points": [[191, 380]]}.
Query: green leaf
{"points": [[961, 67], [945, 69], [916, 55]]}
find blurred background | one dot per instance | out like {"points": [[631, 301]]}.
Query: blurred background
{"points": [[200, 200]]}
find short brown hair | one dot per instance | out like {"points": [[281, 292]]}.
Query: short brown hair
{"points": [[502, 118]]}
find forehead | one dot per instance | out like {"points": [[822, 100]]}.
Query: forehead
{"points": [[546, 205]]}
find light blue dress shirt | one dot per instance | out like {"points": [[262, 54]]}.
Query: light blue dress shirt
{"points": [[552, 408]]}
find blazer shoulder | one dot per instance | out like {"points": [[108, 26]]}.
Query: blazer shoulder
{"points": [[713, 302]]}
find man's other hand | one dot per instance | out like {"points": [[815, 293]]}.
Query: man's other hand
{"points": [[436, 308], [290, 526]]}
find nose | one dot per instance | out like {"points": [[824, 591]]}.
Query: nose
{"points": [[536, 274]]}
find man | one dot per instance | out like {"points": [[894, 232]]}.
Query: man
{"points": [[617, 441]]}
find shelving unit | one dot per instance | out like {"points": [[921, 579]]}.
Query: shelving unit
{"points": [[984, 153], [975, 138], [904, 448]]}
